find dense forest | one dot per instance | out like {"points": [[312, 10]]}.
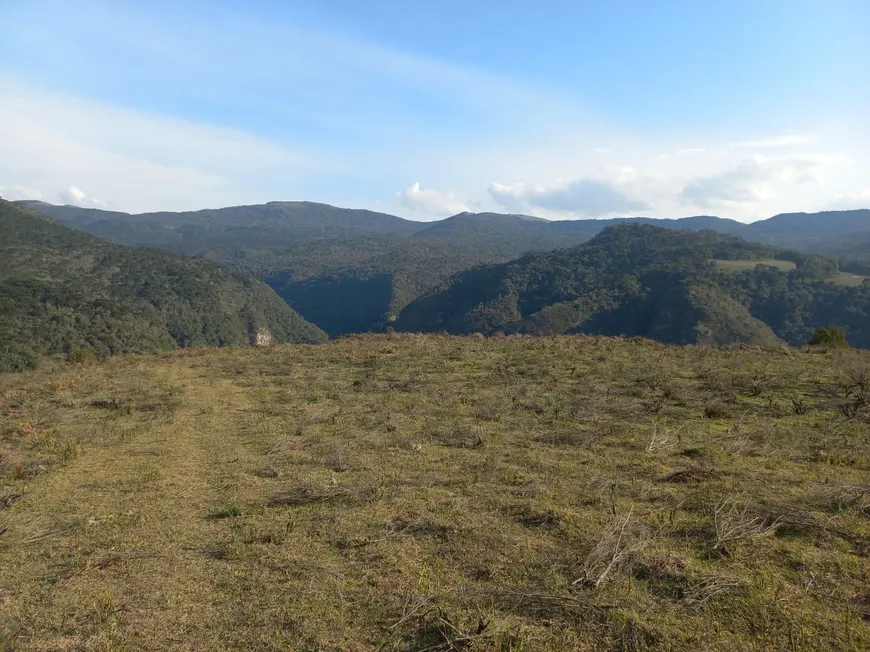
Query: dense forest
{"points": [[64, 291], [354, 271], [281, 225], [640, 280]]}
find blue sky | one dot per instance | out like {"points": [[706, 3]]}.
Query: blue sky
{"points": [[558, 109]]}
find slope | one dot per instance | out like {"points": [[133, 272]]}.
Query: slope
{"points": [[639, 280], [821, 232], [270, 226], [438, 493], [514, 235], [61, 290], [279, 225], [362, 285], [351, 271]]}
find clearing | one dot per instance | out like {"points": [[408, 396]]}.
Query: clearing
{"points": [[744, 265], [438, 493], [847, 278]]}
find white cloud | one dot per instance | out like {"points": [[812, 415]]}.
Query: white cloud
{"points": [[776, 141], [13, 193], [851, 201], [347, 122], [133, 160], [581, 197], [76, 194], [77, 197], [690, 151], [430, 202], [759, 179]]}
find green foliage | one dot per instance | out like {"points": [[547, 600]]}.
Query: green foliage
{"points": [[226, 512], [350, 286], [830, 337], [638, 280], [352, 271], [276, 225], [634, 280], [62, 291], [81, 356]]}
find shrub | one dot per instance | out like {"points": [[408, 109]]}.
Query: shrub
{"points": [[831, 337], [81, 356], [227, 512]]}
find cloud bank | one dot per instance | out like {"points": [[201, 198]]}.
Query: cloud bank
{"points": [[760, 179], [580, 197], [430, 202], [55, 144]]}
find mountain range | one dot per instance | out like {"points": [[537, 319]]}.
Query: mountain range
{"points": [[277, 225], [694, 279], [680, 287]]}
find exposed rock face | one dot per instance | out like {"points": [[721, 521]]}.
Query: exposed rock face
{"points": [[263, 338]]}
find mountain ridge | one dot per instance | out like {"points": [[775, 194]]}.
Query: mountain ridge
{"points": [[679, 287], [62, 290], [351, 271], [287, 223]]}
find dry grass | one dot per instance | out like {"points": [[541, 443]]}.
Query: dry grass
{"points": [[438, 493], [847, 278]]}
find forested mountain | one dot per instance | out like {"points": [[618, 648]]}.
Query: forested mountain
{"points": [[514, 235], [350, 271], [269, 226], [822, 232], [281, 225], [640, 280], [63, 290], [355, 286]]}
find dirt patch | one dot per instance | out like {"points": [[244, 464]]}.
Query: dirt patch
{"points": [[8, 500]]}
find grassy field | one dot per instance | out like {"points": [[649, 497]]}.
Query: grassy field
{"points": [[438, 493], [847, 278], [743, 265]]}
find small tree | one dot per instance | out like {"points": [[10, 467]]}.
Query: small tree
{"points": [[831, 337], [81, 355]]}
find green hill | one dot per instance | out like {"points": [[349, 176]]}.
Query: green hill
{"points": [[823, 232], [280, 225], [514, 235], [639, 280], [357, 286], [275, 225], [62, 290], [351, 271]]}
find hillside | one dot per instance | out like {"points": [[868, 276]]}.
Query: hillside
{"points": [[63, 290], [280, 225], [355, 271], [268, 226], [438, 493], [513, 235], [362, 285], [823, 232], [639, 280]]}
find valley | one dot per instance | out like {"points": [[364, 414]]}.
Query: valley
{"points": [[434, 326], [351, 271]]}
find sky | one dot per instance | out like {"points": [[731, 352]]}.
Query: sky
{"points": [[560, 109]]}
